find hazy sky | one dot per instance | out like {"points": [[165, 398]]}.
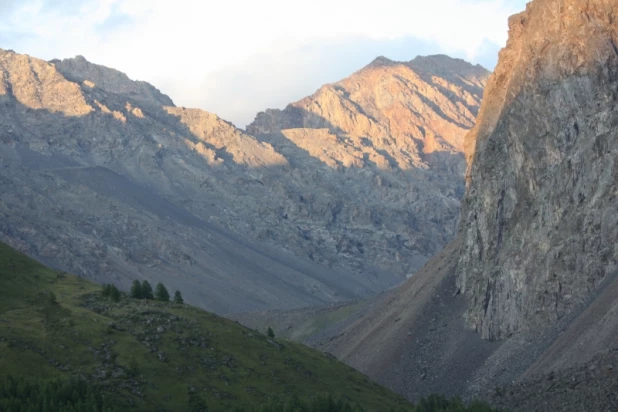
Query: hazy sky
{"points": [[237, 57]]}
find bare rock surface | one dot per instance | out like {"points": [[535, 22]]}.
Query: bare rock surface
{"points": [[540, 215]]}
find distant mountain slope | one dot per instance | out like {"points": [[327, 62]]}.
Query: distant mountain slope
{"points": [[148, 355], [392, 135], [104, 177], [115, 186]]}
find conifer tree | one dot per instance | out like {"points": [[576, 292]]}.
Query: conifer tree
{"points": [[178, 298], [161, 293], [146, 290], [114, 293], [136, 290], [271, 332]]}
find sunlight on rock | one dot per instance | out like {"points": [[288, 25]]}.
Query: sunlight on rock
{"points": [[135, 111], [37, 85], [224, 140]]}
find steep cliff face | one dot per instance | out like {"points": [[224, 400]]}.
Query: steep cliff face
{"points": [[389, 142], [540, 214]]}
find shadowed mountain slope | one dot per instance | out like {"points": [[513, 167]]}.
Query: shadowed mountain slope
{"points": [[104, 177], [115, 187]]}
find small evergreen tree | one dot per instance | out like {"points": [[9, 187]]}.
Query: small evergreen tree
{"points": [[106, 290], [114, 294], [178, 298], [161, 293], [146, 290], [271, 332], [136, 290]]}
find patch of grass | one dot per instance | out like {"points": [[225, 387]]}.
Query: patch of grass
{"points": [[147, 355]]}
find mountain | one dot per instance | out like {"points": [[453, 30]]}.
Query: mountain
{"points": [[149, 355], [99, 177], [391, 138], [103, 176], [524, 299]]}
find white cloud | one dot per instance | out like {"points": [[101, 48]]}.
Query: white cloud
{"points": [[236, 57]]}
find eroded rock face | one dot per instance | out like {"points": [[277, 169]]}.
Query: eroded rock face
{"points": [[540, 214], [388, 142]]}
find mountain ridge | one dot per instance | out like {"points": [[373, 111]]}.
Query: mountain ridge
{"points": [[283, 201]]}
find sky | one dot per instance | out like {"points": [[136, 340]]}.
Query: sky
{"points": [[238, 57]]}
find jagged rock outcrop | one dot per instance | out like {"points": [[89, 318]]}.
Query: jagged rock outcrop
{"points": [[540, 215], [391, 138]]}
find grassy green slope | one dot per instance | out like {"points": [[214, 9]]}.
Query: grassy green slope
{"points": [[152, 355]]}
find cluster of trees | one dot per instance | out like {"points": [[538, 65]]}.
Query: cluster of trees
{"points": [[144, 291], [28, 395]]}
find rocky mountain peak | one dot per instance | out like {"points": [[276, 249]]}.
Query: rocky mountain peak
{"points": [[384, 147], [430, 99], [381, 61], [540, 216], [471, 78], [38, 85], [80, 70]]}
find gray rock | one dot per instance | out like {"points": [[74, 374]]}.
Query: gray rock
{"points": [[540, 214]]}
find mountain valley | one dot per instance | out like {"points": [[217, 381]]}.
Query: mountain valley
{"points": [[438, 228]]}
